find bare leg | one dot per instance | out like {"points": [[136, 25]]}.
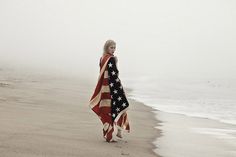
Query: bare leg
{"points": [[119, 133]]}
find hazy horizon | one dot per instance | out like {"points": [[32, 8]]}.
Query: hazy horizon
{"points": [[165, 39]]}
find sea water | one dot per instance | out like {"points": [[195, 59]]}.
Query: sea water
{"points": [[207, 98]]}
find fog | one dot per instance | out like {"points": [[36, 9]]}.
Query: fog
{"points": [[166, 39]]}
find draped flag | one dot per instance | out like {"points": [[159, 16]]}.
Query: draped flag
{"points": [[109, 101]]}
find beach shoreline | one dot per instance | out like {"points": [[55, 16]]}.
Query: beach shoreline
{"points": [[153, 123], [195, 136], [49, 116]]}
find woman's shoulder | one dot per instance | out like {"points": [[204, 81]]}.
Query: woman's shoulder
{"points": [[113, 57], [116, 59]]}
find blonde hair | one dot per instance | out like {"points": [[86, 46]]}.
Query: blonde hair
{"points": [[107, 44]]}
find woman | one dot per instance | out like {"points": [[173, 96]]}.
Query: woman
{"points": [[108, 100]]}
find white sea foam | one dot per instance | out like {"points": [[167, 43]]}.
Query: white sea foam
{"points": [[213, 99], [218, 132]]}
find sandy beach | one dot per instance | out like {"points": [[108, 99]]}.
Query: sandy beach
{"points": [[47, 115], [44, 115], [185, 136], [175, 60]]}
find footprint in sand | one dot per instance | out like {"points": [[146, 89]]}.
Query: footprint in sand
{"points": [[2, 84], [123, 153]]}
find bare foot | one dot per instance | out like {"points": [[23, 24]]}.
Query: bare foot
{"points": [[119, 134], [113, 140]]}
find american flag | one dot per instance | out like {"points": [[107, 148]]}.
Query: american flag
{"points": [[109, 101]]}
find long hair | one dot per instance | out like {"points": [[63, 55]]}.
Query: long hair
{"points": [[107, 44]]}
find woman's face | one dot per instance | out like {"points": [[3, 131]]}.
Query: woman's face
{"points": [[111, 49]]}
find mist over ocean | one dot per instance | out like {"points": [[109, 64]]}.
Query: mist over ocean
{"points": [[207, 98], [177, 56]]}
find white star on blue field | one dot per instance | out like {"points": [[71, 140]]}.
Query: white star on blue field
{"points": [[118, 98]]}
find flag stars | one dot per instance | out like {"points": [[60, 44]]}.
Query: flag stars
{"points": [[115, 91], [113, 72], [111, 84], [110, 65], [124, 104], [117, 109], [117, 80], [118, 100]]}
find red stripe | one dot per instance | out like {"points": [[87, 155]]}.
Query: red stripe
{"points": [[104, 112], [98, 87], [109, 135], [96, 109], [106, 96], [105, 81], [102, 79]]}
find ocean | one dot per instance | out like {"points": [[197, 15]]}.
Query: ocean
{"points": [[207, 98]]}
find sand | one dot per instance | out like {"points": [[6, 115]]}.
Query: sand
{"points": [[49, 116], [185, 136]]}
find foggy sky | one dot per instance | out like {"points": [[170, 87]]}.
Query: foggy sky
{"points": [[172, 38]]}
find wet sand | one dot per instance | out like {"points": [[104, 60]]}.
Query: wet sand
{"points": [[49, 116]]}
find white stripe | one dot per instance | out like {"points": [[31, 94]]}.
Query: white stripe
{"points": [[106, 126], [105, 89], [97, 98], [106, 74], [105, 102], [122, 112]]}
